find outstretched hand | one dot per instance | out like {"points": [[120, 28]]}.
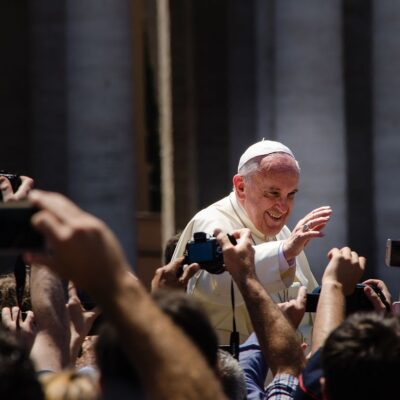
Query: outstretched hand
{"points": [[307, 228], [174, 275]]}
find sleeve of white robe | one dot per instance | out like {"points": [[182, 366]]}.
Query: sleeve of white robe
{"points": [[217, 288]]}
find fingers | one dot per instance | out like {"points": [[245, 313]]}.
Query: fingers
{"points": [[72, 291], [333, 252], [322, 214], [49, 225], [24, 188], [381, 285], [29, 319], [6, 189], [302, 296], [6, 318], [324, 210], [374, 299], [56, 203], [363, 262], [346, 252], [95, 311], [188, 273], [10, 316], [15, 313]]}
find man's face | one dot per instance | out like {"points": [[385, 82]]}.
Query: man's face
{"points": [[268, 194]]}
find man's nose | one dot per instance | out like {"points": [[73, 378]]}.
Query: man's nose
{"points": [[283, 205]]}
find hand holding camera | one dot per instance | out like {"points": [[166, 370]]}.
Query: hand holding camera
{"points": [[14, 187], [206, 251], [357, 301]]}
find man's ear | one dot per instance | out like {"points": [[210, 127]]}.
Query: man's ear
{"points": [[238, 184]]}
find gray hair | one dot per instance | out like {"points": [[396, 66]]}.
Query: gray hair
{"points": [[232, 376]]}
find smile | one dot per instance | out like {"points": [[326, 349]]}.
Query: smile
{"points": [[274, 215]]}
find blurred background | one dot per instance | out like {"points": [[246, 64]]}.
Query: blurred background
{"points": [[139, 110]]}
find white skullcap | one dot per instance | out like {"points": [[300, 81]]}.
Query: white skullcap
{"points": [[263, 148]]}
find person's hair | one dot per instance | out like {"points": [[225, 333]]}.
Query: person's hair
{"points": [[186, 312], [170, 247], [253, 165], [361, 358], [190, 316], [111, 358], [231, 375], [70, 385], [17, 374]]}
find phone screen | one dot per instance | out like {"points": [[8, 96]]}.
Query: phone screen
{"points": [[16, 232]]}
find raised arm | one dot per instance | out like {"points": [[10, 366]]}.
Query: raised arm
{"points": [[86, 251], [278, 340], [50, 350], [340, 277]]}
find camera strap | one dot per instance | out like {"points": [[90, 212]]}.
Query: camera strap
{"points": [[234, 339], [20, 279]]}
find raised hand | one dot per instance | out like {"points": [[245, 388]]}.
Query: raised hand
{"points": [[24, 328], [345, 268], [307, 228]]}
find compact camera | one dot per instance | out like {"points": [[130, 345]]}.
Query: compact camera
{"points": [[14, 179], [392, 253], [205, 251], [357, 301]]}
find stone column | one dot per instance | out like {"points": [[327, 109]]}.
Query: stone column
{"points": [[309, 112], [100, 112]]}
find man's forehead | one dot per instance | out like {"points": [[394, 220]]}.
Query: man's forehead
{"points": [[277, 179]]}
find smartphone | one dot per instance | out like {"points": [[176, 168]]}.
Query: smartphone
{"points": [[392, 253], [16, 231]]}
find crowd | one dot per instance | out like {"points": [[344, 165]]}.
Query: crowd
{"points": [[166, 344]]}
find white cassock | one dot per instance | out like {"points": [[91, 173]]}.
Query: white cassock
{"points": [[214, 291]]}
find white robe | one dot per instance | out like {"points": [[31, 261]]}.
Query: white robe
{"points": [[214, 291]]}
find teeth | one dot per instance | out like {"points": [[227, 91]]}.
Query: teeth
{"points": [[274, 215]]}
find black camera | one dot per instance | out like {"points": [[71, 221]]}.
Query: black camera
{"points": [[392, 253], [14, 179], [357, 301], [16, 231], [206, 251]]}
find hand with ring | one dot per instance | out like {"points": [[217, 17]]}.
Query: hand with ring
{"points": [[307, 228]]}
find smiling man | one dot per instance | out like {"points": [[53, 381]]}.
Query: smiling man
{"points": [[262, 199]]}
